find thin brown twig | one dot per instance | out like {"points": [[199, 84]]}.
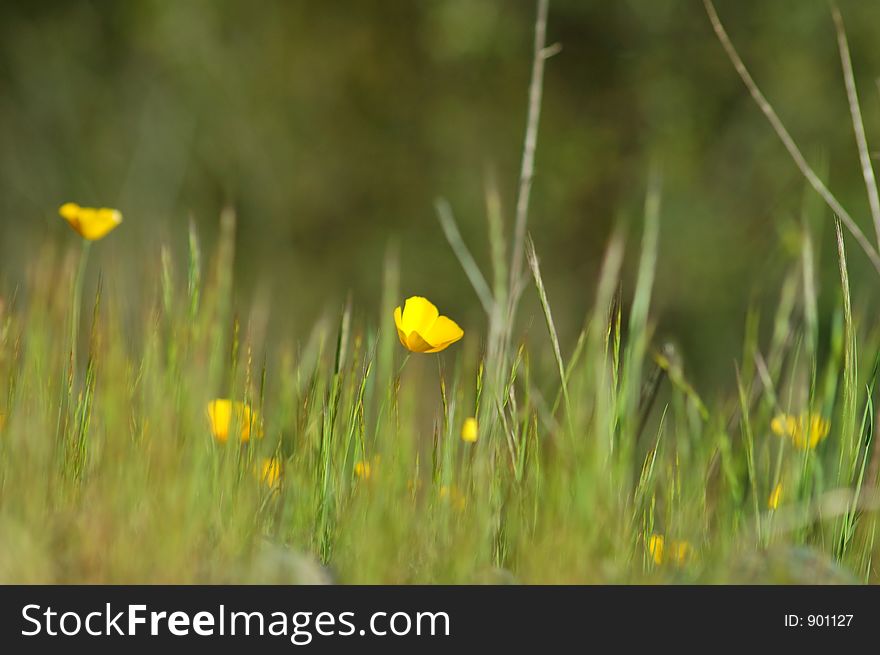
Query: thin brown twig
{"points": [[527, 168], [793, 150], [858, 126]]}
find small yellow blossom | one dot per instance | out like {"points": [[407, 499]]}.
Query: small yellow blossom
{"points": [[677, 552], [90, 223], [470, 430], [269, 471], [223, 413], [453, 496], [421, 329], [364, 469], [775, 497], [805, 431]]}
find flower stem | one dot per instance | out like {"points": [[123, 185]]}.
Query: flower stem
{"points": [[76, 306]]}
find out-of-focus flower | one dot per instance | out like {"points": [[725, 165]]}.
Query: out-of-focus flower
{"points": [[775, 497], [805, 431], [421, 329], [91, 223], [225, 414], [269, 471], [470, 430], [674, 552], [364, 469]]}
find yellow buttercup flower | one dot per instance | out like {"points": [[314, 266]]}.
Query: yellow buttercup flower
{"points": [[224, 414], [805, 431], [775, 497], [89, 222], [364, 469], [269, 471], [470, 430], [421, 328], [675, 552]]}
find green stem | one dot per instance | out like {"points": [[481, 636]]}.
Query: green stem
{"points": [[65, 402], [77, 303]]}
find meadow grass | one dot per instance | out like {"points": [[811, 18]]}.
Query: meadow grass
{"points": [[109, 471], [596, 461]]}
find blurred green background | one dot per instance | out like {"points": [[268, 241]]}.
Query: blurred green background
{"points": [[332, 126]]}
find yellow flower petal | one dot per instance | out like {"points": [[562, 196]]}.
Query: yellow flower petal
{"points": [[419, 315], [421, 329], [220, 414], [270, 471], [363, 469], [90, 223], [655, 547], [443, 333], [224, 413], [775, 497], [818, 429], [805, 431], [398, 322], [69, 211], [675, 552], [470, 430], [779, 425], [416, 343]]}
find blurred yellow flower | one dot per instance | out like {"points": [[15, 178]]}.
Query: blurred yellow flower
{"points": [[470, 430], [775, 497], [364, 469], [89, 222], [269, 471], [676, 552], [225, 414], [453, 496], [805, 431], [421, 329]]}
